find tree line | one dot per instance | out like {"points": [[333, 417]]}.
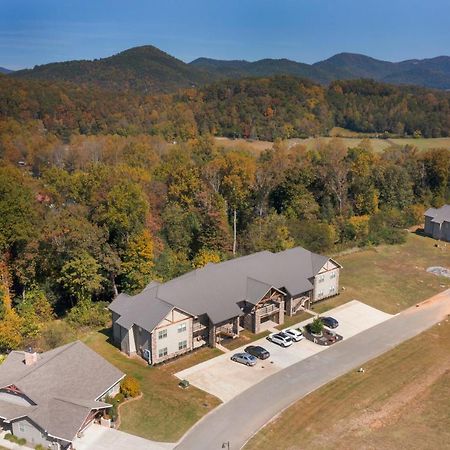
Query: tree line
{"points": [[101, 193], [105, 214], [262, 108]]}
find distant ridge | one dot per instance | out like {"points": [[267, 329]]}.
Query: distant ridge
{"points": [[4, 70], [147, 69], [432, 72], [143, 69]]}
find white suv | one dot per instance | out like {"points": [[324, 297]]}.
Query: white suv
{"points": [[280, 338], [295, 335]]}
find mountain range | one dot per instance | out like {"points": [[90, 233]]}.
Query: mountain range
{"points": [[4, 70], [148, 69]]}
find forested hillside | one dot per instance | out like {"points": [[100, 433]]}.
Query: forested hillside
{"points": [[141, 69], [102, 192], [265, 108], [149, 70]]}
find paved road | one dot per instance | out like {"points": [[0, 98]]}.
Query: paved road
{"points": [[236, 421]]}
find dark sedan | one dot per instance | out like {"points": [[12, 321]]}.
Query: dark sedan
{"points": [[257, 351], [330, 322]]}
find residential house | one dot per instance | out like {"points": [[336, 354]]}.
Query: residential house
{"points": [[437, 223], [213, 303], [50, 398]]}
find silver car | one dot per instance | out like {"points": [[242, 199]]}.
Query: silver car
{"points": [[244, 358]]}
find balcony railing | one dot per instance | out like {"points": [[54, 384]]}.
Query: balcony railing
{"points": [[198, 326], [269, 309]]}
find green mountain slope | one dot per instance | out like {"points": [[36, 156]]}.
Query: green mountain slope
{"points": [[143, 69]]}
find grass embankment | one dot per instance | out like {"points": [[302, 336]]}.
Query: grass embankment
{"points": [[401, 401], [391, 278], [165, 411], [245, 338]]}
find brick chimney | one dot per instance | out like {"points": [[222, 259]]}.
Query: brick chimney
{"points": [[30, 357]]}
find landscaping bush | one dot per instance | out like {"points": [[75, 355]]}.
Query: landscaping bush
{"points": [[39, 447], [316, 326], [16, 440], [119, 398], [130, 387]]}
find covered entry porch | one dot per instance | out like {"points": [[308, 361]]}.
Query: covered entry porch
{"points": [[267, 313]]}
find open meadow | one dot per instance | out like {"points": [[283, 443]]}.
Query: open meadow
{"points": [[400, 401]]}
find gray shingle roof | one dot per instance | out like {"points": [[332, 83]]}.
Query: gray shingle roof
{"points": [[217, 288], [439, 215], [64, 384]]}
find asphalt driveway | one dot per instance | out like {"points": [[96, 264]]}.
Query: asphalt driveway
{"points": [[226, 379]]}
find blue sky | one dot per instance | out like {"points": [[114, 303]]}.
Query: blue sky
{"points": [[41, 31]]}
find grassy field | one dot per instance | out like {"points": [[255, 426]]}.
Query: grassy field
{"points": [[165, 411], [401, 401], [378, 145], [391, 278]]}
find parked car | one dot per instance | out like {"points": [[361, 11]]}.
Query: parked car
{"points": [[280, 338], [330, 322], [244, 358], [257, 351], [296, 335]]}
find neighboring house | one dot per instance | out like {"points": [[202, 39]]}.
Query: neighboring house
{"points": [[213, 303], [437, 223], [50, 398]]}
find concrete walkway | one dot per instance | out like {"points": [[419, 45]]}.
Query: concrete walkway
{"points": [[233, 423], [97, 437]]}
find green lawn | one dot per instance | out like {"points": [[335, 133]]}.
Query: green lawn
{"points": [[292, 320], [391, 278], [245, 337], [165, 411], [401, 401]]}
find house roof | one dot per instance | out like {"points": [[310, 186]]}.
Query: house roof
{"points": [[63, 386], [439, 215], [216, 289]]}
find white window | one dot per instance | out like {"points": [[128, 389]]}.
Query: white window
{"points": [[21, 427], [332, 289], [320, 293], [321, 278], [182, 328], [162, 352], [162, 334], [333, 275], [182, 345]]}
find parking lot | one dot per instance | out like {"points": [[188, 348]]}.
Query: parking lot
{"points": [[225, 379]]}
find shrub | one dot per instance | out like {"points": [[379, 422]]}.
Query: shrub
{"points": [[10, 437], [39, 447], [21, 441], [89, 314], [130, 387], [119, 398], [316, 326]]}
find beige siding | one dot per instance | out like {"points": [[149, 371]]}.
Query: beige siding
{"points": [[326, 282], [176, 328]]}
